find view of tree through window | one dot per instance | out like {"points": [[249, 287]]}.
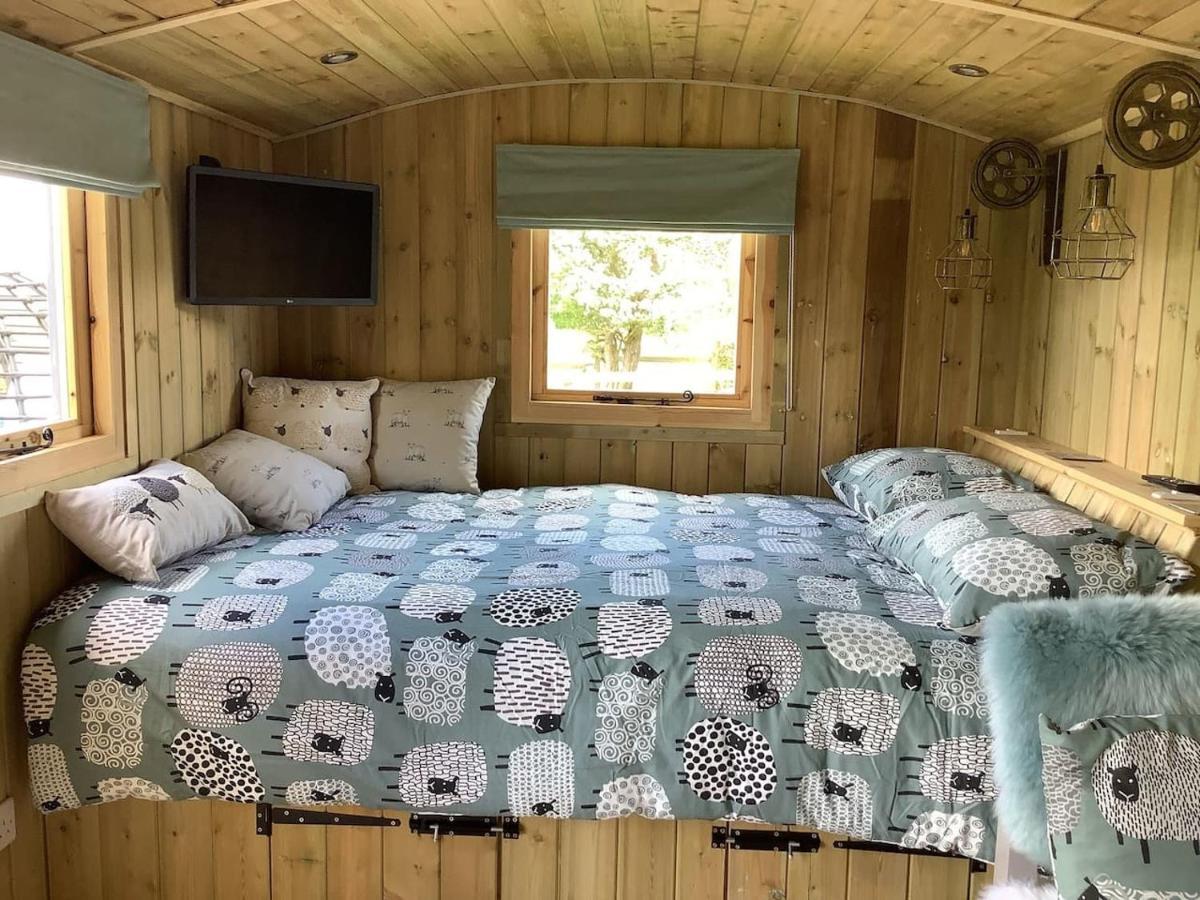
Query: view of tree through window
{"points": [[645, 311], [32, 331]]}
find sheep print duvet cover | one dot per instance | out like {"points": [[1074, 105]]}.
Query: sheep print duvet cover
{"points": [[584, 652]]}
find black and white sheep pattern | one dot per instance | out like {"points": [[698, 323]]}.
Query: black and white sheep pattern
{"points": [[956, 686], [543, 574], [1051, 522], [852, 721], [865, 644], [945, 832], [272, 574], [453, 571], [626, 716], [69, 601], [1006, 566], [731, 579], [214, 765], [628, 629], [739, 611], [123, 629], [633, 795], [355, 587], [951, 533], [532, 679], [830, 591], [639, 583], [39, 689], [1109, 888], [238, 612], [436, 669], [111, 720], [320, 792], [958, 770], [443, 774], [916, 488], [1147, 786], [1062, 782], [541, 780], [430, 601], [835, 801], [49, 779], [741, 674], [174, 579], [724, 759], [223, 685], [348, 645], [129, 786], [1103, 568], [914, 608], [329, 731]]}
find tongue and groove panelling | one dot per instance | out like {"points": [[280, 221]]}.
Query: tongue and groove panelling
{"points": [[881, 354]]}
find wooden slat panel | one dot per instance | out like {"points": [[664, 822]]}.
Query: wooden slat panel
{"points": [[587, 860], [646, 859]]}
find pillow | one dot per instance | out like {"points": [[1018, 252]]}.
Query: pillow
{"points": [[276, 486], [880, 481], [330, 420], [132, 525], [1123, 804], [978, 551], [427, 434]]}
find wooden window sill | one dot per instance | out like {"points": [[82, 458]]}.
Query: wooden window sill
{"points": [[24, 480]]}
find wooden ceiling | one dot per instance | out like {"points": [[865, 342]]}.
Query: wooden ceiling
{"points": [[1052, 62]]}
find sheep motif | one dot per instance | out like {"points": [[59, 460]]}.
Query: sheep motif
{"points": [[348, 645], [385, 541], [724, 759], [636, 511], [723, 553], [852, 721], [833, 591], [1104, 567], [1062, 780], [111, 720], [867, 644], [1147, 787], [436, 669], [641, 496], [1104, 887], [561, 538], [440, 602], [835, 801], [890, 578], [442, 774], [39, 689], [738, 611], [702, 535], [899, 523], [629, 629], [432, 511], [321, 792], [353, 396], [733, 579], [632, 543], [213, 765], [790, 547], [713, 523], [465, 548], [633, 795], [1051, 522], [174, 579], [1013, 501], [541, 779], [626, 526], [223, 685], [358, 515], [790, 517], [50, 779], [956, 770], [501, 500], [69, 601], [543, 574], [532, 607], [914, 608], [964, 464], [129, 786], [952, 532], [1008, 566], [272, 573], [453, 570], [133, 501], [237, 612], [329, 731], [919, 487], [956, 686], [355, 587], [124, 629], [531, 683], [629, 560], [381, 562], [945, 833], [626, 712], [639, 583], [746, 673]]}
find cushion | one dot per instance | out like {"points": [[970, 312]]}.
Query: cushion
{"points": [[1123, 806], [132, 525], [978, 551], [1074, 661], [879, 481], [427, 434], [276, 486], [330, 420]]}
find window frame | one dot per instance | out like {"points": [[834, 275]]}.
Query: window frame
{"points": [[749, 407]]}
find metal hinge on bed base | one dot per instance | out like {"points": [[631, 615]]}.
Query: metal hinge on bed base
{"points": [[879, 847], [788, 842], [268, 815]]}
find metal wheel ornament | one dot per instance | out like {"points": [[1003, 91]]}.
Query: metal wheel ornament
{"points": [[1153, 118], [1008, 174]]}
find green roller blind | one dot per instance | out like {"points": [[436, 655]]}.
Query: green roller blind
{"points": [[65, 123], [651, 188]]}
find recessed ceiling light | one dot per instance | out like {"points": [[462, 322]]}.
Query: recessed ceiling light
{"points": [[968, 70], [337, 57]]}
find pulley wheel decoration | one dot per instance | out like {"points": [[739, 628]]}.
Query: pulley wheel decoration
{"points": [[1153, 119], [1008, 174]]}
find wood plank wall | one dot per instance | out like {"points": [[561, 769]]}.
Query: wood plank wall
{"points": [[881, 354], [1114, 368], [184, 393]]}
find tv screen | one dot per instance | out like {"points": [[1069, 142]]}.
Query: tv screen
{"points": [[256, 238]]}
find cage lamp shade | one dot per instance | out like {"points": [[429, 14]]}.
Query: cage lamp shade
{"points": [[1100, 245], [964, 264]]}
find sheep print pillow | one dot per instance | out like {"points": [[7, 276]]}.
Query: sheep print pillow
{"points": [[976, 552], [1123, 807], [879, 481]]}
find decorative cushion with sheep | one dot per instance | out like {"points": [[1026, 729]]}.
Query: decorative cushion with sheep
{"points": [[1123, 807], [276, 486], [975, 552], [132, 525], [879, 481], [427, 434], [330, 420]]}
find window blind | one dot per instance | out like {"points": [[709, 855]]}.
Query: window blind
{"points": [[65, 123], [649, 188]]}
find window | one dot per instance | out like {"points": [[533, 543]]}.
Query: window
{"points": [[37, 365], [643, 327]]}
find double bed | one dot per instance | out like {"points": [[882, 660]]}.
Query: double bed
{"points": [[571, 652]]}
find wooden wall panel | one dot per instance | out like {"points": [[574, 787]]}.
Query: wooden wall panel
{"points": [[873, 334]]}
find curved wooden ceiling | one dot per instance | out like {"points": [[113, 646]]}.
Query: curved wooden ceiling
{"points": [[1053, 62]]}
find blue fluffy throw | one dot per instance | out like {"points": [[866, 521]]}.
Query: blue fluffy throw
{"points": [[1074, 661]]}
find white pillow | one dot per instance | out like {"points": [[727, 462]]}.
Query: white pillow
{"points": [[132, 525], [427, 434], [276, 486]]}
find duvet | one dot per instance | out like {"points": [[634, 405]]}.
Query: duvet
{"points": [[566, 651]]}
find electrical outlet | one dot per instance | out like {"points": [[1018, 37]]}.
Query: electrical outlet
{"points": [[8, 823]]}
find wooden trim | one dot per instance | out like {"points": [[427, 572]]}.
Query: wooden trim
{"points": [[773, 437], [1075, 134], [1103, 31], [192, 18]]}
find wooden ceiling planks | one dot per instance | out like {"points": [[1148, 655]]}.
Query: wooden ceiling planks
{"points": [[262, 64]]}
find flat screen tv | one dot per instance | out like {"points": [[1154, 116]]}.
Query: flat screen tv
{"points": [[259, 239]]}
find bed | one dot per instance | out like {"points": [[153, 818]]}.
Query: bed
{"points": [[571, 652]]}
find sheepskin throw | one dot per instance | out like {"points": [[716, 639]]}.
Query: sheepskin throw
{"points": [[1074, 661]]}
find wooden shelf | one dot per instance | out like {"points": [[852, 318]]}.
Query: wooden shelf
{"points": [[1103, 476]]}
